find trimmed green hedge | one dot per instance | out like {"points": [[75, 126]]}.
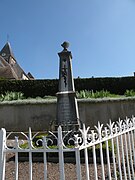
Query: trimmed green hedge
{"points": [[31, 88], [34, 88], [111, 84]]}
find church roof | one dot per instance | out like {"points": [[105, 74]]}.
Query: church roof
{"points": [[7, 52], [8, 73], [18, 70], [3, 63], [9, 68], [30, 75]]}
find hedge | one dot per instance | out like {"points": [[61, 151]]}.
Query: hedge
{"points": [[30, 88], [115, 85], [34, 88]]}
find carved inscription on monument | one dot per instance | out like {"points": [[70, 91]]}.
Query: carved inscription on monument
{"points": [[64, 72], [65, 105]]}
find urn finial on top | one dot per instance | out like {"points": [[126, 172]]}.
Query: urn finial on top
{"points": [[65, 45]]}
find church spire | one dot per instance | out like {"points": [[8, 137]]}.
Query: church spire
{"points": [[7, 52]]}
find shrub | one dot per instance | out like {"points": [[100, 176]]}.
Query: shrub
{"points": [[92, 94], [129, 93], [9, 96]]}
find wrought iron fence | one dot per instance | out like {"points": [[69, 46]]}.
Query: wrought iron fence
{"points": [[106, 151]]}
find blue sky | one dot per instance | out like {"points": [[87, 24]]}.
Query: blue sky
{"points": [[101, 35]]}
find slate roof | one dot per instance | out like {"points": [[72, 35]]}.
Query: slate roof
{"points": [[30, 75], [3, 63], [9, 68], [7, 51], [8, 73], [18, 70]]}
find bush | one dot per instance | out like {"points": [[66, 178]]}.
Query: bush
{"points": [[129, 93], [9, 96], [92, 94]]}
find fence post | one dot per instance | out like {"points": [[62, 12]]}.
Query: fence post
{"points": [[78, 165], [2, 156], [61, 156]]}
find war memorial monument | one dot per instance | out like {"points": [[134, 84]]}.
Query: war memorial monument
{"points": [[67, 107]]}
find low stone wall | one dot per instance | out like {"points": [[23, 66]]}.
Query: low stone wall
{"points": [[39, 114]]}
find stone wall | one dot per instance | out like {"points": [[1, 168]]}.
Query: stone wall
{"points": [[39, 114]]}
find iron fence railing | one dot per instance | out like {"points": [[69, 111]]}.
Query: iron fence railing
{"points": [[110, 147]]}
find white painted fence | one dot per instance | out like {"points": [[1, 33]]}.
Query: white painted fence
{"points": [[111, 149]]}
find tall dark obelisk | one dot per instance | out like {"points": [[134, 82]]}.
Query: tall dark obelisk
{"points": [[67, 108]]}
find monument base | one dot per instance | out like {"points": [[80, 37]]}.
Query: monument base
{"points": [[68, 127]]}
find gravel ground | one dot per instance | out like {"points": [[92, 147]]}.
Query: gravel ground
{"points": [[52, 169]]}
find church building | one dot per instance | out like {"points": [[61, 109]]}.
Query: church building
{"points": [[9, 67]]}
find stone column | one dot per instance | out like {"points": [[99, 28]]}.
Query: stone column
{"points": [[67, 108]]}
